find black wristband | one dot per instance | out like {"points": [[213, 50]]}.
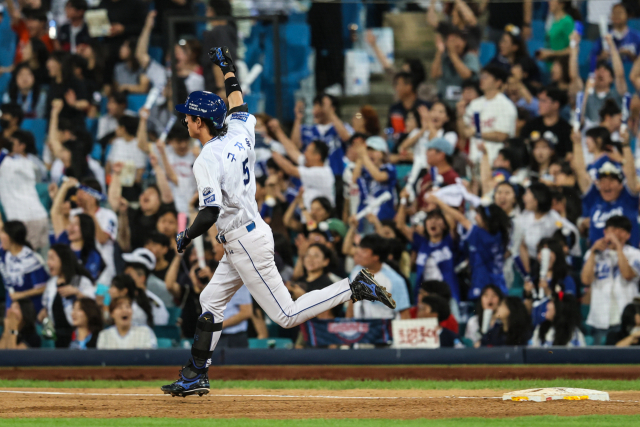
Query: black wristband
{"points": [[231, 84]]}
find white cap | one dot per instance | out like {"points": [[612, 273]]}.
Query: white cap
{"points": [[141, 256]]}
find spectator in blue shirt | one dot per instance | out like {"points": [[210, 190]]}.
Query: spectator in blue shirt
{"points": [[236, 316], [627, 40], [375, 177], [436, 254], [23, 271], [487, 241], [327, 127], [615, 193]]}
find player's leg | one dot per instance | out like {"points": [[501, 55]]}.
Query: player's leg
{"points": [[253, 257], [213, 300]]}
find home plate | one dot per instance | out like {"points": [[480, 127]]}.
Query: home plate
{"points": [[555, 393]]}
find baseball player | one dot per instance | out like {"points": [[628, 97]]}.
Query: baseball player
{"points": [[226, 188]]}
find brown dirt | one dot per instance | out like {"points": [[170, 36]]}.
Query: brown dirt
{"points": [[332, 373], [300, 404]]}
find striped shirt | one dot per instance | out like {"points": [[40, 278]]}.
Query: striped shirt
{"points": [[138, 337]]}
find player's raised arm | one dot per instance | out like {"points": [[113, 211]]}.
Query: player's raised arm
{"points": [[221, 57]]}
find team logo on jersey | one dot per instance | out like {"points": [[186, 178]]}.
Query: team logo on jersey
{"points": [[210, 199], [207, 191], [240, 116]]}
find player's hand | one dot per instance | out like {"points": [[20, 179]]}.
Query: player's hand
{"points": [[221, 57], [182, 241]]}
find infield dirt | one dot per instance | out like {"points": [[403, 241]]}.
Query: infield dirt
{"points": [[295, 404]]}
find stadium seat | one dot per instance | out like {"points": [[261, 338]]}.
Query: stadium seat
{"points": [[169, 331], [38, 127], [43, 193], [156, 53], [634, 23], [174, 314], [487, 52], [401, 173], [136, 101], [165, 343], [534, 45], [538, 30], [277, 343]]}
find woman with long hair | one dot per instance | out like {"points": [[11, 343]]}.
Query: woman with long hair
{"points": [[436, 253], [543, 154], [69, 281], [20, 327], [23, 271], [24, 90], [317, 262], [79, 233], [487, 242], [188, 69], [512, 327], [65, 87], [86, 318], [35, 54], [124, 286], [484, 319], [561, 325], [128, 75], [629, 333], [512, 51]]}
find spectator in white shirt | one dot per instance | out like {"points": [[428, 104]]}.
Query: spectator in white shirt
{"points": [[139, 265], [317, 177], [124, 148], [18, 193], [497, 114], [176, 159], [123, 335], [611, 269], [371, 253]]}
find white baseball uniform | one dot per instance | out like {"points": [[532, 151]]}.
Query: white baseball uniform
{"points": [[224, 171]]}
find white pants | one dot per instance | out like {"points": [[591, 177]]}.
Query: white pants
{"points": [[249, 260]]}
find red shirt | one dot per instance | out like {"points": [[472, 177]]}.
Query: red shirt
{"points": [[20, 28], [449, 178]]}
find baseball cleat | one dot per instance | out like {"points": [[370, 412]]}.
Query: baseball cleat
{"points": [[365, 287], [187, 386]]}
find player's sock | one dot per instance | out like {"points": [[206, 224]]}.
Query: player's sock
{"points": [[204, 341]]}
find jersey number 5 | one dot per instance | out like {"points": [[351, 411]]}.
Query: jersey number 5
{"points": [[246, 171]]}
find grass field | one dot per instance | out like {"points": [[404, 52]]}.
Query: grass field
{"points": [[609, 385], [544, 421]]}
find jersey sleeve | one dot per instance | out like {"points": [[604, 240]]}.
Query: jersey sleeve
{"points": [[207, 172], [109, 223], [244, 121]]}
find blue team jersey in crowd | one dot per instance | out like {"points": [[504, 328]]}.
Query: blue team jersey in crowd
{"points": [[93, 264], [486, 258], [370, 189], [630, 42], [598, 211], [443, 253], [23, 273], [310, 133]]}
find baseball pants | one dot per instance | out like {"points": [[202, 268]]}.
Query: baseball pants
{"points": [[249, 260]]}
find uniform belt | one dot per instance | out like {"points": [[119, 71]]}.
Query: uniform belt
{"points": [[235, 234]]}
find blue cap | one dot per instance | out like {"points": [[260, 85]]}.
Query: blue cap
{"points": [[610, 169], [441, 144], [206, 105]]}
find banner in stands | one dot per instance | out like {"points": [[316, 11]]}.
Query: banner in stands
{"points": [[416, 333], [325, 332]]}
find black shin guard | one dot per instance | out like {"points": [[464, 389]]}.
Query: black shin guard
{"points": [[201, 350]]}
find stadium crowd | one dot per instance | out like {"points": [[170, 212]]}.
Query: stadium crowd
{"points": [[501, 199]]}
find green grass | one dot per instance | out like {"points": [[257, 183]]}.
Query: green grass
{"points": [[607, 385], [542, 421]]}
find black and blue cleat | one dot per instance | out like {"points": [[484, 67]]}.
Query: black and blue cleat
{"points": [[365, 287]]}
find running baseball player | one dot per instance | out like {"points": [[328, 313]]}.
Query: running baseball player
{"points": [[226, 189]]}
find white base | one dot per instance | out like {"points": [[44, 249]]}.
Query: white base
{"points": [[555, 393]]}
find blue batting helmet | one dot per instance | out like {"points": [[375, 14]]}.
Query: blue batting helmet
{"points": [[206, 105]]}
